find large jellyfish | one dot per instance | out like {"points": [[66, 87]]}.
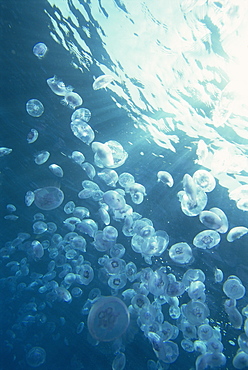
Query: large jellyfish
{"points": [[108, 319], [48, 198]]}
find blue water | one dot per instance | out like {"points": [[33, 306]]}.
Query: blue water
{"points": [[167, 95]]}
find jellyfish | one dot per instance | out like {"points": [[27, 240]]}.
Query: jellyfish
{"points": [[72, 99], [126, 180], [103, 154], [236, 233], [196, 289], [234, 315], [32, 136], [40, 50], [218, 275], [48, 198], [34, 108], [4, 151], [41, 157], [29, 198], [205, 180], [110, 177], [224, 227], [78, 157], [36, 356], [83, 114], [189, 186], [233, 288], [196, 312], [102, 81], [87, 226], [119, 361], [108, 319], [166, 178], [82, 131], [206, 239], [210, 219], [240, 361], [58, 87], [89, 169], [114, 199], [205, 332], [193, 209], [180, 253], [56, 170]]}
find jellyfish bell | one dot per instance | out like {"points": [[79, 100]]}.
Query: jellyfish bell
{"points": [[72, 99], [36, 356], [48, 198], [102, 82], [165, 177], [236, 233], [108, 319], [205, 180], [58, 87], [103, 154], [180, 253], [206, 239], [210, 219], [34, 108], [224, 227], [82, 131], [40, 49]]}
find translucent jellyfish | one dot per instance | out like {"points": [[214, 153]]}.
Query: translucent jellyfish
{"points": [[187, 345], [236, 233], [117, 281], [234, 315], [206, 239], [37, 250], [89, 169], [240, 361], [224, 227], [41, 157], [167, 352], [29, 198], [82, 113], [108, 319], [190, 208], [110, 154], [119, 361], [126, 180], [110, 177], [218, 275], [102, 81], [166, 178], [87, 226], [4, 151], [78, 157], [180, 253], [189, 186], [39, 227], [212, 360], [58, 86], [243, 342], [34, 108], [40, 50], [56, 170], [48, 198], [36, 356], [196, 312], [85, 274], [205, 332], [32, 136], [72, 99], [82, 131], [233, 288], [205, 180], [69, 207], [242, 204], [210, 219], [196, 289], [114, 199]]}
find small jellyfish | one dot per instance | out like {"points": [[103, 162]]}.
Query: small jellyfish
{"points": [[108, 319], [196, 312], [41, 157], [205, 180], [126, 180], [206, 239], [114, 199], [34, 108], [40, 50], [69, 207], [233, 288], [110, 177], [11, 208], [48, 198], [82, 113], [78, 157], [218, 275], [236, 233], [103, 153], [58, 86], [56, 170], [72, 99], [36, 356], [234, 316], [180, 253], [224, 227], [82, 131], [166, 178], [29, 198], [37, 250], [102, 81], [89, 169], [240, 361], [119, 361], [210, 219], [87, 226], [32, 136], [4, 151]]}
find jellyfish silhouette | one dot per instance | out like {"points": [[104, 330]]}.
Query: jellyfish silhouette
{"points": [[108, 319]]}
